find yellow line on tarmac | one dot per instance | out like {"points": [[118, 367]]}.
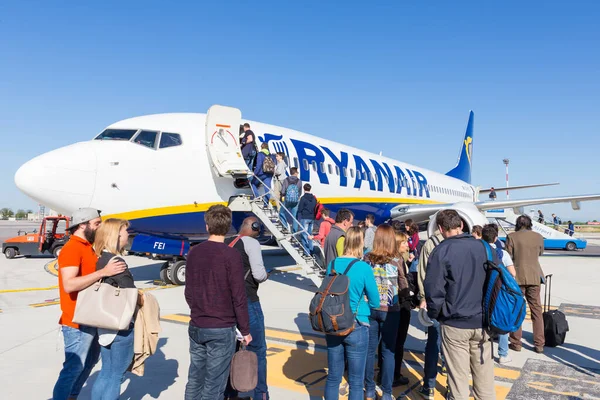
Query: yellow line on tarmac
{"points": [[52, 267], [44, 304], [28, 289]]}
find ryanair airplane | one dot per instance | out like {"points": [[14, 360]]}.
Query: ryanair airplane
{"points": [[162, 172]]}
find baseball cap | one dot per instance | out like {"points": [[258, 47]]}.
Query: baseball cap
{"points": [[84, 215]]}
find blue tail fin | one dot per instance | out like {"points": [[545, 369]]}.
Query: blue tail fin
{"points": [[462, 170]]}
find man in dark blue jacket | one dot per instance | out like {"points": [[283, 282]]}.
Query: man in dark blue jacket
{"points": [[306, 217], [454, 295]]}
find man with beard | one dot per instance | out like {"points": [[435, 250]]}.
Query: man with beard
{"points": [[77, 271]]}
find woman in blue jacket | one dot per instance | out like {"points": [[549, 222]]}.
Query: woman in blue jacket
{"points": [[352, 349]]}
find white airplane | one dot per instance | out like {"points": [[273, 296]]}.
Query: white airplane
{"points": [[162, 172]]}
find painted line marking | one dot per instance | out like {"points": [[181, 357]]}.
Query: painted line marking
{"points": [[580, 310], [52, 267], [45, 304], [27, 289], [294, 365]]}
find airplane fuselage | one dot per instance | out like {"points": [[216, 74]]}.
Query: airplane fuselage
{"points": [[167, 190]]}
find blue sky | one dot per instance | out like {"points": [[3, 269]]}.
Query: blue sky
{"points": [[393, 76]]}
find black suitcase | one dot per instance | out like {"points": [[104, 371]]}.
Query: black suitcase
{"points": [[555, 322]]}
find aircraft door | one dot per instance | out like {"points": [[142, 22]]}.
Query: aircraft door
{"points": [[222, 141]]}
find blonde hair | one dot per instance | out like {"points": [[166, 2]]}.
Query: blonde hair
{"points": [[400, 238], [107, 236], [354, 242]]}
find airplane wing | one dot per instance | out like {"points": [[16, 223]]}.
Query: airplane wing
{"points": [[422, 212], [574, 200], [501, 189]]}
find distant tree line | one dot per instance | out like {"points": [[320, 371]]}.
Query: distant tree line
{"points": [[8, 213]]}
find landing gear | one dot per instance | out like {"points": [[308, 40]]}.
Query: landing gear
{"points": [[173, 272], [165, 274], [178, 272]]}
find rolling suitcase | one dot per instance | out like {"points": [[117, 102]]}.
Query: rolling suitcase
{"points": [[555, 322]]}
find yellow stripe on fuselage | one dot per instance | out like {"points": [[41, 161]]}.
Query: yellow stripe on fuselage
{"points": [[202, 207], [161, 211]]}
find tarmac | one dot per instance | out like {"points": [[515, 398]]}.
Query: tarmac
{"points": [[31, 349]]}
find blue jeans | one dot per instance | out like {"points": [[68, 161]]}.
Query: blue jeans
{"points": [[432, 351], [384, 327], [116, 358], [211, 350], [285, 217], [503, 345], [249, 159], [353, 350], [256, 185], [307, 224], [258, 345], [81, 354]]}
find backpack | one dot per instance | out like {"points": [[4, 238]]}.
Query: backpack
{"points": [[504, 306], [329, 310], [318, 210], [268, 165], [292, 194]]}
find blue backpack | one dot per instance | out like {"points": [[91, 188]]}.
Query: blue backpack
{"points": [[292, 194], [504, 305]]}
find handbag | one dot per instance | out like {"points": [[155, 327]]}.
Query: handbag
{"points": [[244, 370], [104, 306]]}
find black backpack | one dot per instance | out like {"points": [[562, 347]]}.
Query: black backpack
{"points": [[329, 310]]}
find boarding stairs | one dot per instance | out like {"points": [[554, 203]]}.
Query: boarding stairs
{"points": [[289, 241], [225, 155]]}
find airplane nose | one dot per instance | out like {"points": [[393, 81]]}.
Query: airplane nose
{"points": [[62, 179]]}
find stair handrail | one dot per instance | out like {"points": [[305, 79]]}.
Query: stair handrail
{"points": [[290, 228]]}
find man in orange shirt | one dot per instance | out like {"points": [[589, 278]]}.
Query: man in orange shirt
{"points": [[77, 271]]}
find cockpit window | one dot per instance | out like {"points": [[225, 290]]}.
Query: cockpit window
{"points": [[169, 140], [146, 138], [116, 134]]}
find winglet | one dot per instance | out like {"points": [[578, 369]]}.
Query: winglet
{"points": [[462, 170]]}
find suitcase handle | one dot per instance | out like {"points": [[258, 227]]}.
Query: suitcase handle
{"points": [[547, 292]]}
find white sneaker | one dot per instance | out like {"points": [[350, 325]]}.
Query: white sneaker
{"points": [[504, 360]]}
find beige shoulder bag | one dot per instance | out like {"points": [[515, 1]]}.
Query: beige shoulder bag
{"points": [[104, 306]]}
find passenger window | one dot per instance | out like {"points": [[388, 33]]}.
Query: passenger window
{"points": [[305, 164], [345, 172], [116, 134], [337, 170], [352, 172], [146, 138], [314, 165], [169, 140], [322, 168], [376, 177], [330, 169], [358, 175], [296, 164]]}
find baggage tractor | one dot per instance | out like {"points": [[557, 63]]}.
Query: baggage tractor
{"points": [[555, 322]]}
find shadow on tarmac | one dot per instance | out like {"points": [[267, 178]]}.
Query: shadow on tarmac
{"points": [[147, 272], [580, 358], [159, 375], [313, 381], [293, 279]]}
